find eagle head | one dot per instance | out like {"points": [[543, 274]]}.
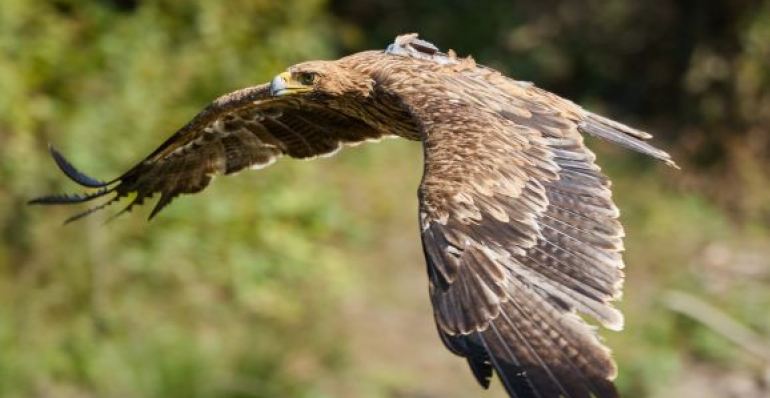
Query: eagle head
{"points": [[320, 78]]}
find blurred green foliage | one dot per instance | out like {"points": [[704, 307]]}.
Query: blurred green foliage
{"points": [[223, 307], [306, 280]]}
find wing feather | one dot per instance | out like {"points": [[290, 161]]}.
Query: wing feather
{"points": [[520, 232], [519, 229], [244, 129]]}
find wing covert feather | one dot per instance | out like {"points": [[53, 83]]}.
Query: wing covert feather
{"points": [[519, 233], [244, 129]]}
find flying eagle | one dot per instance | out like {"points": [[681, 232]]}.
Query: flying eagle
{"points": [[517, 222]]}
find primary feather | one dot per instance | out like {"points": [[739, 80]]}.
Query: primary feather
{"points": [[518, 225]]}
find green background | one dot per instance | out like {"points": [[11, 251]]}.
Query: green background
{"points": [[307, 279]]}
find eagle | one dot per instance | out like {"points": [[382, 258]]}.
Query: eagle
{"points": [[519, 230]]}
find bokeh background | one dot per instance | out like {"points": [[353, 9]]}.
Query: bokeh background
{"points": [[307, 279]]}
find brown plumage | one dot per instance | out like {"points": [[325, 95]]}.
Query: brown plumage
{"points": [[518, 225]]}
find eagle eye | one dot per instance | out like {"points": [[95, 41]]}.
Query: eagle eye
{"points": [[307, 78]]}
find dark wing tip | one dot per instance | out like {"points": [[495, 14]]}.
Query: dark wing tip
{"points": [[82, 179], [56, 200], [90, 211], [164, 201], [68, 199], [670, 162], [482, 371], [74, 174]]}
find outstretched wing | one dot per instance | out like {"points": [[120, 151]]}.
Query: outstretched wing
{"points": [[244, 129], [519, 231]]}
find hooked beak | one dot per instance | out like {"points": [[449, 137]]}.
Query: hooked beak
{"points": [[284, 84]]}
